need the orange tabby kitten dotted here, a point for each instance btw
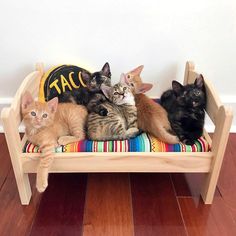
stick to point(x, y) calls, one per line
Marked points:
point(152, 117)
point(49, 124)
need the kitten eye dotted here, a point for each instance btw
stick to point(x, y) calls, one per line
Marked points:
point(45, 115)
point(128, 76)
point(124, 88)
point(33, 113)
point(132, 84)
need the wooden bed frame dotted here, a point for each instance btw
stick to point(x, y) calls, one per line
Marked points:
point(196, 162)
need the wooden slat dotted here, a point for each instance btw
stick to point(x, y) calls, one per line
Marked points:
point(155, 207)
point(213, 101)
point(14, 146)
point(124, 162)
point(108, 209)
point(189, 66)
point(31, 84)
point(219, 142)
point(61, 209)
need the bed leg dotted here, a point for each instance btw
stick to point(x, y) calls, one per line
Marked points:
point(219, 142)
point(208, 189)
point(24, 188)
point(15, 150)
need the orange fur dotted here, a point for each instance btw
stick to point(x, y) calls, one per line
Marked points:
point(63, 124)
point(152, 117)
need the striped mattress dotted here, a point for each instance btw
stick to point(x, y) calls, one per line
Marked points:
point(142, 143)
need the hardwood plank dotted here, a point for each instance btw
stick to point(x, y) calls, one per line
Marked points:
point(62, 206)
point(227, 180)
point(108, 208)
point(15, 218)
point(155, 207)
point(189, 184)
point(4, 160)
point(207, 220)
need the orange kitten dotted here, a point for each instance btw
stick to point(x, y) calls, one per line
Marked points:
point(152, 117)
point(49, 124)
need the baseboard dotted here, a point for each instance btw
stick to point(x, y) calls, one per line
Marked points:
point(229, 100)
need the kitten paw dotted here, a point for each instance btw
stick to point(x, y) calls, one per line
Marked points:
point(62, 141)
point(188, 142)
point(41, 185)
point(103, 112)
point(131, 132)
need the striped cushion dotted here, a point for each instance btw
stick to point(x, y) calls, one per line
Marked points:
point(142, 143)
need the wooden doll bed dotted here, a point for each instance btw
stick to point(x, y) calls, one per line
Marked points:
point(182, 162)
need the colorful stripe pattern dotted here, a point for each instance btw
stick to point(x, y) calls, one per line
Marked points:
point(142, 143)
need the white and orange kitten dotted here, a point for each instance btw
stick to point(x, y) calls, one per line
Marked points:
point(49, 124)
point(152, 117)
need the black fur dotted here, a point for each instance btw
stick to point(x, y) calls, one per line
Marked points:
point(91, 96)
point(185, 107)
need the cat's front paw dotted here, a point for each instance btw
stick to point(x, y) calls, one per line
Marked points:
point(188, 142)
point(103, 112)
point(131, 132)
point(41, 184)
point(62, 141)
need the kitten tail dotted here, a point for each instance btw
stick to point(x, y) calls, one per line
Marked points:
point(162, 134)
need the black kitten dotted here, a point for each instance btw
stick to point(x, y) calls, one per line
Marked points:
point(185, 107)
point(90, 96)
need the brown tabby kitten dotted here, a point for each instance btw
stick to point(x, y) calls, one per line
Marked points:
point(49, 124)
point(121, 120)
point(152, 117)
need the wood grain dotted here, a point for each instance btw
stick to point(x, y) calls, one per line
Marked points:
point(15, 218)
point(4, 160)
point(155, 207)
point(62, 206)
point(227, 179)
point(207, 220)
point(108, 208)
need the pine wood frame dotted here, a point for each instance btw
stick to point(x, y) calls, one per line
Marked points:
point(201, 162)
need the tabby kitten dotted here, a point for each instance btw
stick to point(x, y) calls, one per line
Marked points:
point(90, 96)
point(121, 120)
point(185, 106)
point(49, 124)
point(152, 117)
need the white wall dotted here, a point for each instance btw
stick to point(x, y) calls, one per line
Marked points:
point(162, 35)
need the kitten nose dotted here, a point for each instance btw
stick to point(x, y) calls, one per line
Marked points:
point(38, 119)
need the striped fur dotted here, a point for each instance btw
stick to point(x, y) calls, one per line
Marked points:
point(121, 120)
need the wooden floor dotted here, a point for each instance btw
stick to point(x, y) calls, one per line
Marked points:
point(120, 204)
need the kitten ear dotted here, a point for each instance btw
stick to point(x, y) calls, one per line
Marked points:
point(136, 71)
point(52, 104)
point(106, 90)
point(143, 88)
point(85, 75)
point(176, 86)
point(106, 70)
point(123, 79)
point(199, 81)
point(26, 100)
